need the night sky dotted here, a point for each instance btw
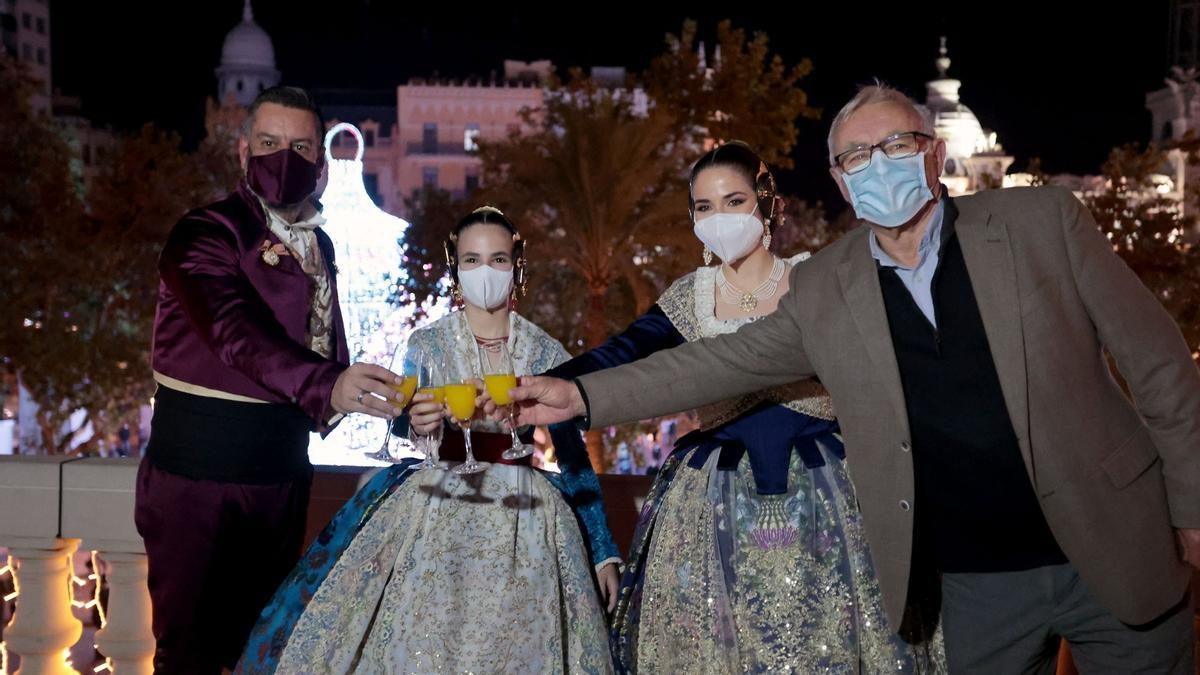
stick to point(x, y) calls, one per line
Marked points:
point(1065, 84)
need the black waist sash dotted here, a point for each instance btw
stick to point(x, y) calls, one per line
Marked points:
point(229, 441)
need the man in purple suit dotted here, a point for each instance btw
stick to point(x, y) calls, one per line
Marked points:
point(250, 357)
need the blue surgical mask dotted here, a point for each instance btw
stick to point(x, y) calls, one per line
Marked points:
point(889, 192)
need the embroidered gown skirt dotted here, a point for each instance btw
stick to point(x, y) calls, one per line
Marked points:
point(722, 579)
point(428, 571)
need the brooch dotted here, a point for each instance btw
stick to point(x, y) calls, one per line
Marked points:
point(271, 253)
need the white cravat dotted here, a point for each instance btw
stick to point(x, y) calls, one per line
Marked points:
point(300, 238)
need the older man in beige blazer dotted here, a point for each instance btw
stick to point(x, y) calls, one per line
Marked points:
point(963, 342)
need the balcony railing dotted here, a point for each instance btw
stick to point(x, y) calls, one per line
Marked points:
point(55, 510)
point(53, 507)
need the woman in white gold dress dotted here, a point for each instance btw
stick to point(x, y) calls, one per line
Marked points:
point(427, 570)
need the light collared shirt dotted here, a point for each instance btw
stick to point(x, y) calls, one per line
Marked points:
point(919, 279)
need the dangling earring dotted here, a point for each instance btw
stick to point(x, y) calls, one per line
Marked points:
point(449, 247)
point(776, 202)
point(520, 282)
point(707, 256)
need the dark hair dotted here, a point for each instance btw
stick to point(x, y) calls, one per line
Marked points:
point(288, 97)
point(738, 156)
point(488, 215)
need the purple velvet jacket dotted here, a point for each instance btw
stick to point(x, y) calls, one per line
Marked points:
point(229, 321)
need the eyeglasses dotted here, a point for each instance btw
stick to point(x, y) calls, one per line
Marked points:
point(896, 146)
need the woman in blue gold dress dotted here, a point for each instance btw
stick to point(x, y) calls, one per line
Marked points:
point(749, 554)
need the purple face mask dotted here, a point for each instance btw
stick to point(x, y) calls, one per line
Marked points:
point(282, 178)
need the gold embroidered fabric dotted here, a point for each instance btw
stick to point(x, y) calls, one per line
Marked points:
point(480, 574)
point(718, 599)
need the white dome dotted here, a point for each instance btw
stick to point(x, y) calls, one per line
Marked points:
point(954, 122)
point(248, 44)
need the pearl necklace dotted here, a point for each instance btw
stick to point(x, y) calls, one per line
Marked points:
point(748, 300)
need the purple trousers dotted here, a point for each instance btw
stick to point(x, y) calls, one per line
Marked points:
point(216, 552)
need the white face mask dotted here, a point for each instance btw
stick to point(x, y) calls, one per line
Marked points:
point(732, 236)
point(486, 287)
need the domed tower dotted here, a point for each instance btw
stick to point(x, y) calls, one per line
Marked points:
point(247, 62)
point(974, 160)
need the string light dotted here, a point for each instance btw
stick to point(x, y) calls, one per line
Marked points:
point(8, 569)
point(4, 647)
point(99, 582)
point(94, 602)
point(78, 581)
point(4, 571)
point(369, 256)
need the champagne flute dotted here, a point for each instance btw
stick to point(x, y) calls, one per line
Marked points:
point(461, 395)
point(500, 376)
point(429, 381)
point(404, 392)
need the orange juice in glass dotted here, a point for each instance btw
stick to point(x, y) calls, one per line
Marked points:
point(461, 399)
point(438, 393)
point(406, 387)
point(499, 386)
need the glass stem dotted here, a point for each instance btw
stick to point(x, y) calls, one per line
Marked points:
point(387, 434)
point(512, 428)
point(467, 442)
